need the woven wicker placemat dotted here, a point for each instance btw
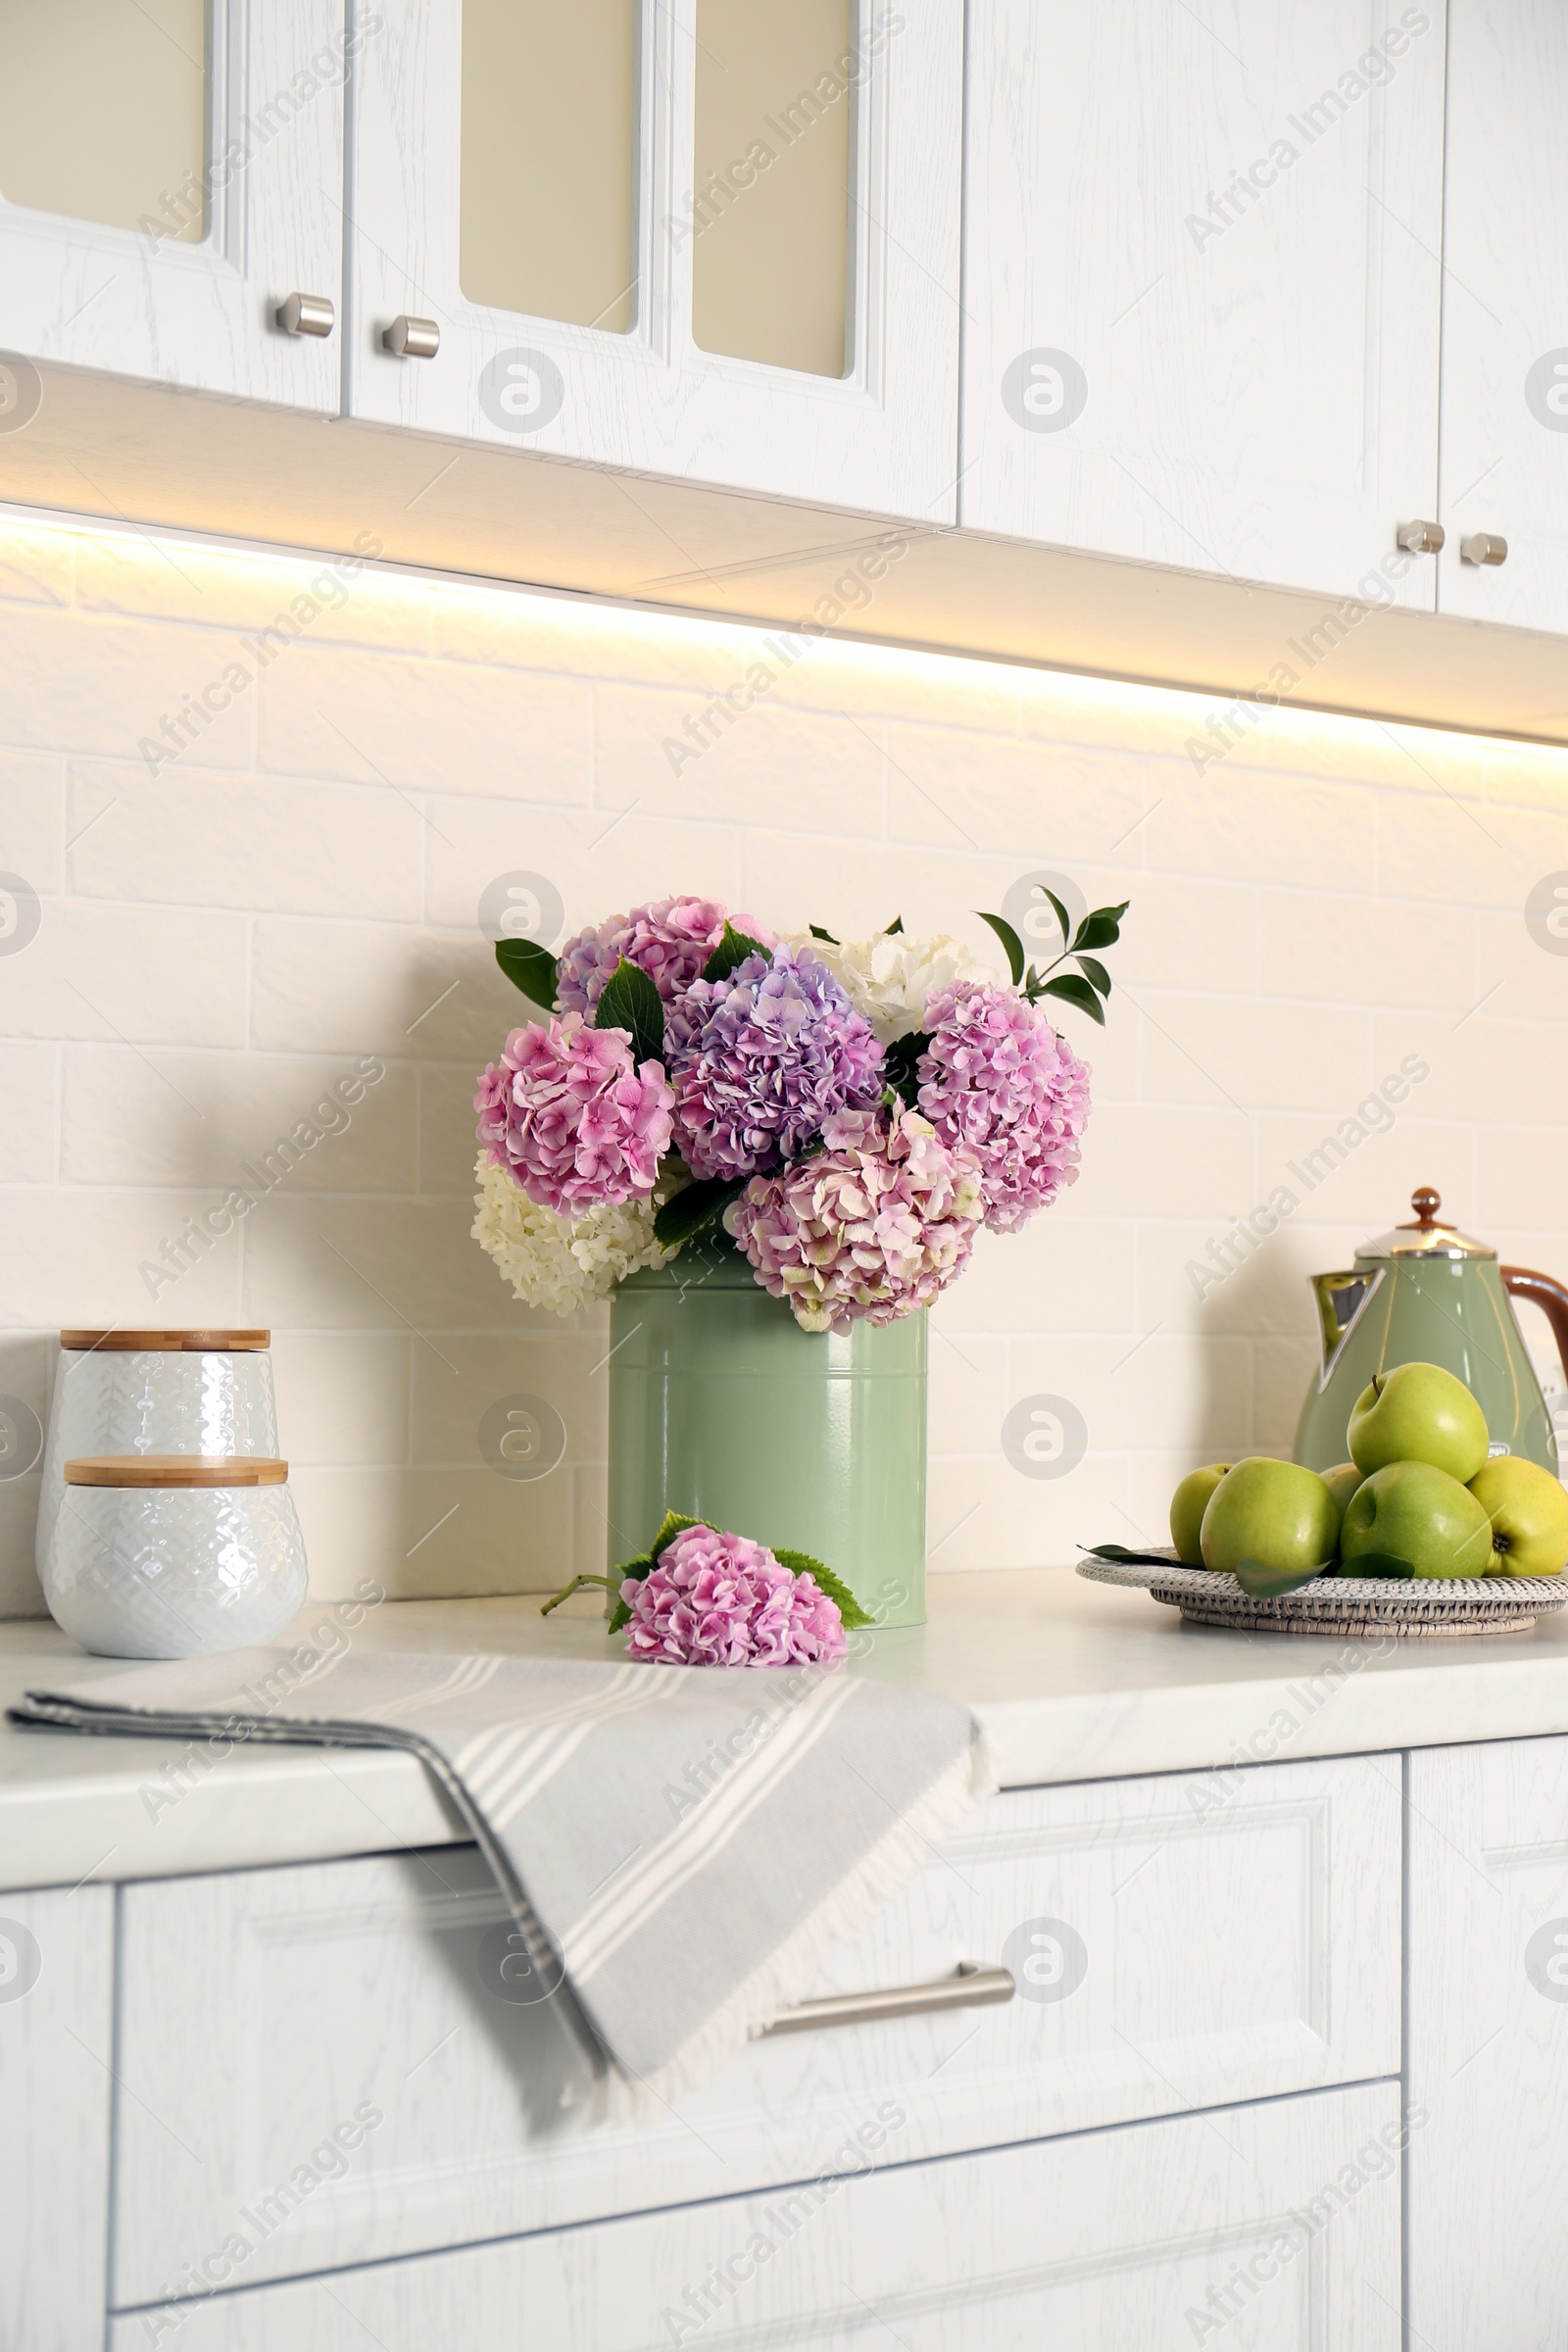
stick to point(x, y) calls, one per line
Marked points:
point(1364, 1607)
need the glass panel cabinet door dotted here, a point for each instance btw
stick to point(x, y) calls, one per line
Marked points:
point(170, 176)
point(711, 238)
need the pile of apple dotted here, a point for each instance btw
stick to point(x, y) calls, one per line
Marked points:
point(1418, 1490)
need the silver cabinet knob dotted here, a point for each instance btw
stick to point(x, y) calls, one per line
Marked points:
point(1483, 547)
point(413, 338)
point(306, 315)
point(1421, 538)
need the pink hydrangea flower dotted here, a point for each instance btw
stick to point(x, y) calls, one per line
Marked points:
point(872, 1227)
point(577, 1122)
point(999, 1079)
point(669, 940)
point(714, 1600)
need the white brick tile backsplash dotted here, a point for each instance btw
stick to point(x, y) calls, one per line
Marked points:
point(140, 974)
point(298, 890)
point(141, 673)
point(418, 726)
point(816, 774)
point(217, 1120)
point(32, 816)
point(201, 838)
point(29, 1125)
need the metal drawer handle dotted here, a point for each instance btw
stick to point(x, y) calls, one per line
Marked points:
point(972, 1988)
point(306, 315)
point(1483, 547)
point(413, 338)
point(1421, 538)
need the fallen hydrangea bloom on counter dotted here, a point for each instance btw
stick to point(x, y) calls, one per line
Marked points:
point(701, 1596)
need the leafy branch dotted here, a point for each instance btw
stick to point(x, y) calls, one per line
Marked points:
point(1085, 987)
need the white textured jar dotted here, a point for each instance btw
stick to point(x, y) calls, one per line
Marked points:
point(154, 1392)
point(172, 1555)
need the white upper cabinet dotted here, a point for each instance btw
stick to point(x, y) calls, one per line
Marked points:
point(1505, 316)
point(171, 173)
point(1202, 283)
point(711, 238)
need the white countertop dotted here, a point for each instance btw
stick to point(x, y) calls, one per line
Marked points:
point(1073, 1681)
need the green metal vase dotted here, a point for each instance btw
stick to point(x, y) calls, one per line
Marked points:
point(722, 1408)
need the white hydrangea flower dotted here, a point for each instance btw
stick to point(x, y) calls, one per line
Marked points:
point(889, 979)
point(563, 1264)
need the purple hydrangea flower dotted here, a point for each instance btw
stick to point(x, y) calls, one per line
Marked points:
point(998, 1078)
point(669, 940)
point(715, 1599)
point(870, 1228)
point(571, 1116)
point(760, 1059)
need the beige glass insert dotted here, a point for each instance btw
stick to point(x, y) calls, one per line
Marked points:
point(774, 169)
point(549, 153)
point(104, 112)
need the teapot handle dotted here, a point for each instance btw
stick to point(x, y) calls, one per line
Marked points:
point(1542, 1292)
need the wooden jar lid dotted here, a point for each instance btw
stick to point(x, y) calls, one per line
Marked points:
point(180, 1343)
point(176, 1470)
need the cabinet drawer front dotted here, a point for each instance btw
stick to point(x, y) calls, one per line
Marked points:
point(56, 2047)
point(1487, 2056)
point(1271, 2229)
point(1178, 1942)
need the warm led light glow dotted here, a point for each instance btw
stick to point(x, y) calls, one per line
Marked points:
point(696, 651)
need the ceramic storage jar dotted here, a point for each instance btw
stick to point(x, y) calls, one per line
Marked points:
point(172, 1555)
point(155, 1391)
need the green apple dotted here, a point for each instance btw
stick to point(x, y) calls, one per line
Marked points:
point(1274, 1512)
point(1418, 1414)
point(1416, 1512)
point(1187, 1507)
point(1342, 1482)
point(1529, 1513)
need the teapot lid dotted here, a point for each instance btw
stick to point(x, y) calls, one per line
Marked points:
point(1430, 1236)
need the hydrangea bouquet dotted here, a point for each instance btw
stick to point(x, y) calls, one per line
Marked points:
point(852, 1112)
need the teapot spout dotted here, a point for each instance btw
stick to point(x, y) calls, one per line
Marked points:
point(1339, 1299)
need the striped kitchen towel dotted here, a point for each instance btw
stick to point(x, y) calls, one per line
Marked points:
point(678, 1845)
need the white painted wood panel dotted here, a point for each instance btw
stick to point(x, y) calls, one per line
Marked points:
point(1505, 312)
point(132, 303)
point(56, 2021)
point(1271, 2229)
point(1179, 1942)
point(1488, 2051)
point(1258, 359)
point(883, 439)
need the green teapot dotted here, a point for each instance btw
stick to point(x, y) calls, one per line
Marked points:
point(1423, 1294)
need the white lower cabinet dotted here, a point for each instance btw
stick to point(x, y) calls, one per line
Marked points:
point(320, 2066)
point(56, 2061)
point(1265, 2228)
point(1488, 2047)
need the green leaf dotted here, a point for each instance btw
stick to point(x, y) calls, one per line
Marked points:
point(897, 924)
point(732, 950)
point(1058, 910)
point(899, 1062)
point(1377, 1564)
point(1094, 972)
point(1103, 928)
point(1073, 991)
point(1009, 940)
point(530, 967)
point(1260, 1582)
point(818, 932)
point(1129, 1560)
point(647, 1561)
point(801, 1563)
point(698, 1205)
point(631, 1002)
